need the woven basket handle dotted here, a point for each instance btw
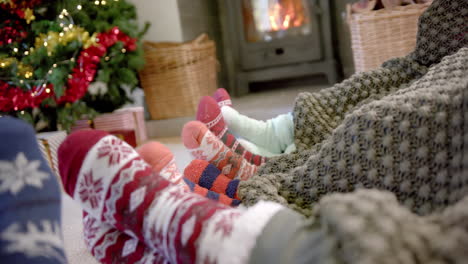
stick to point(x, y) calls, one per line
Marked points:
point(200, 39)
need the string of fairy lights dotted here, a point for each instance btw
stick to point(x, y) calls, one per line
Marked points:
point(70, 31)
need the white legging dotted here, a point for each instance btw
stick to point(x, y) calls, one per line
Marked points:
point(266, 138)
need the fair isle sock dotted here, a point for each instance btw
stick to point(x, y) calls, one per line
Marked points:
point(109, 245)
point(204, 145)
point(210, 114)
point(111, 182)
point(222, 97)
point(162, 161)
point(274, 135)
point(30, 219)
point(208, 176)
point(215, 196)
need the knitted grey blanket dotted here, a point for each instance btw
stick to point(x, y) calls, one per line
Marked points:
point(400, 128)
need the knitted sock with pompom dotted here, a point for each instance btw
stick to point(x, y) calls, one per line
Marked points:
point(111, 182)
point(210, 114)
point(204, 145)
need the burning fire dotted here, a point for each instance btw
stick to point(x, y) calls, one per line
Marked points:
point(285, 14)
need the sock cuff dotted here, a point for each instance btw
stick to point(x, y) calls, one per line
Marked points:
point(71, 155)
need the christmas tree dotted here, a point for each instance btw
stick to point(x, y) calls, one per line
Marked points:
point(61, 61)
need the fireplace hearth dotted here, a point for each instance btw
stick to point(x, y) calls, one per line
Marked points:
point(276, 39)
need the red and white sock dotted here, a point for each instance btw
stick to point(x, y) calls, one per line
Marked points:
point(112, 183)
point(222, 97)
point(162, 161)
point(103, 241)
point(204, 145)
point(210, 114)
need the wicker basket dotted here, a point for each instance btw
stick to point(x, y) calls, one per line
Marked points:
point(176, 75)
point(377, 36)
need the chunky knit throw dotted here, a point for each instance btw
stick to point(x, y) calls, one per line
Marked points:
point(400, 128)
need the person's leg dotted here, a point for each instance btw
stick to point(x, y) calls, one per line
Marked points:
point(208, 176)
point(162, 161)
point(111, 182)
point(210, 114)
point(274, 135)
point(30, 222)
point(204, 145)
point(109, 245)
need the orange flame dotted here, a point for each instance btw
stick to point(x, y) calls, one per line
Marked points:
point(286, 14)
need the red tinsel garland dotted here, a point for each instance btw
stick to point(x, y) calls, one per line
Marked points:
point(16, 99)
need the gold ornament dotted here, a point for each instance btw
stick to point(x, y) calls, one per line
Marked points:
point(29, 15)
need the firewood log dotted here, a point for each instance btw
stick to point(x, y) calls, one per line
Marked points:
point(363, 6)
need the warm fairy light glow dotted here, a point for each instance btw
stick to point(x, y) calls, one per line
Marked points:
point(47, 90)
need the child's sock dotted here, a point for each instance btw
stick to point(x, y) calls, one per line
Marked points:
point(30, 218)
point(215, 196)
point(210, 114)
point(222, 97)
point(208, 176)
point(274, 135)
point(109, 245)
point(114, 184)
point(161, 159)
point(204, 145)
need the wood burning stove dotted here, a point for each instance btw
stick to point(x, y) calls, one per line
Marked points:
point(276, 39)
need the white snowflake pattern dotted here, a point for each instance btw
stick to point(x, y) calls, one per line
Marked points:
point(43, 240)
point(15, 175)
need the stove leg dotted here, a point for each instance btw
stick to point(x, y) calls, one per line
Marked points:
point(332, 74)
point(242, 85)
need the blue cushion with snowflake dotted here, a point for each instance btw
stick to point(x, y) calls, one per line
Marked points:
point(30, 224)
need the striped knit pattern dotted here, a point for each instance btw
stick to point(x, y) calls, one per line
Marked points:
point(210, 114)
point(204, 145)
point(208, 176)
point(212, 195)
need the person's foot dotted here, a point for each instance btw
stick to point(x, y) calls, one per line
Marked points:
point(114, 184)
point(204, 145)
point(222, 97)
point(212, 195)
point(210, 114)
point(162, 161)
point(208, 176)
